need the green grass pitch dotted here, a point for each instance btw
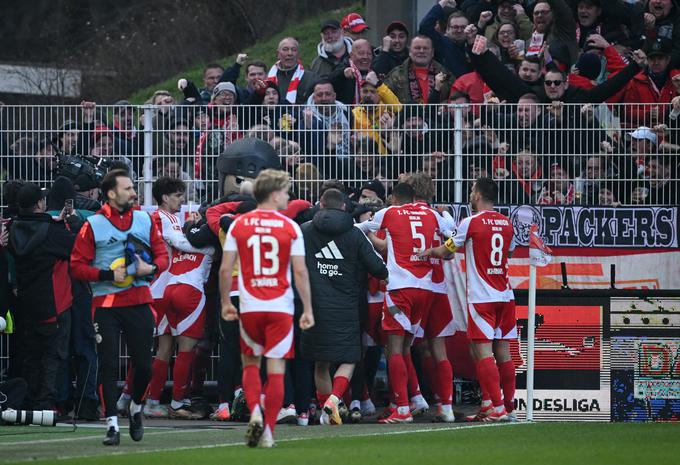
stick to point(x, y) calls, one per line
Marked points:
point(507, 444)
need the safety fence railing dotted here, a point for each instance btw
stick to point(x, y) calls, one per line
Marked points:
point(589, 154)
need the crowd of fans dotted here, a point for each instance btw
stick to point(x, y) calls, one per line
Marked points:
point(527, 93)
point(538, 88)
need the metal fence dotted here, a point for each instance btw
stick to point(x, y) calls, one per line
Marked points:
point(593, 154)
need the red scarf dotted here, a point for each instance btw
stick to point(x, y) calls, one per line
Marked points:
point(527, 184)
point(291, 93)
point(357, 81)
point(416, 94)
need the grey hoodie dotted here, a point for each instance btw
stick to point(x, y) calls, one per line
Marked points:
point(323, 64)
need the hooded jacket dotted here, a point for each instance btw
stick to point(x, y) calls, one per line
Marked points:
point(338, 256)
point(41, 248)
point(323, 65)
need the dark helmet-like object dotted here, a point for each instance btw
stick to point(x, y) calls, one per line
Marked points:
point(247, 157)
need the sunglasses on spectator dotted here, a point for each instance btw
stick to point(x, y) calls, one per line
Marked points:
point(553, 83)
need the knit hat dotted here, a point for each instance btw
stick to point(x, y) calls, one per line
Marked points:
point(589, 65)
point(375, 186)
point(85, 182)
point(224, 87)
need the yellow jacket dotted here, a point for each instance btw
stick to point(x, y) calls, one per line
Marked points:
point(367, 121)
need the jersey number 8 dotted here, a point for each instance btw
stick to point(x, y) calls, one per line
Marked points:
point(496, 249)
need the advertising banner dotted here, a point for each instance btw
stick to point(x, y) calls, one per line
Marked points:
point(645, 359)
point(571, 369)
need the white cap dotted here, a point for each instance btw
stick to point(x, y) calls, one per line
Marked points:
point(643, 132)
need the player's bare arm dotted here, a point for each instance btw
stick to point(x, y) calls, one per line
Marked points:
point(229, 312)
point(378, 244)
point(302, 285)
point(445, 251)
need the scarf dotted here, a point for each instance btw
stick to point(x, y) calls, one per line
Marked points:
point(226, 126)
point(528, 185)
point(357, 81)
point(413, 83)
point(291, 93)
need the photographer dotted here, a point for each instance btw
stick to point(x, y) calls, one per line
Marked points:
point(120, 285)
point(41, 247)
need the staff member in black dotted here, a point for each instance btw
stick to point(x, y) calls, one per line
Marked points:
point(338, 256)
point(121, 300)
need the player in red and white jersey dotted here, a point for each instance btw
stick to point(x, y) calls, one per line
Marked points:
point(411, 293)
point(440, 325)
point(266, 243)
point(488, 240)
point(179, 302)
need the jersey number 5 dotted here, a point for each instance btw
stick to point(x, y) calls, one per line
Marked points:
point(271, 256)
point(496, 249)
point(416, 235)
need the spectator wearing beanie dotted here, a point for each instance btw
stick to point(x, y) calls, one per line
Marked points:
point(599, 61)
point(87, 193)
point(651, 86)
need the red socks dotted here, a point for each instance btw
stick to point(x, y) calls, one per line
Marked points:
point(412, 383)
point(322, 398)
point(340, 386)
point(180, 375)
point(398, 379)
point(273, 399)
point(445, 382)
point(507, 374)
point(252, 386)
point(489, 379)
point(159, 375)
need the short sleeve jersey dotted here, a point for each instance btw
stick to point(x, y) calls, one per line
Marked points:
point(189, 266)
point(411, 229)
point(488, 238)
point(265, 240)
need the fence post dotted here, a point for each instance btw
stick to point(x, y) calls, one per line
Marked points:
point(148, 153)
point(458, 153)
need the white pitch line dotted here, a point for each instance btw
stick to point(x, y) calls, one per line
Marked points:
point(236, 444)
point(87, 438)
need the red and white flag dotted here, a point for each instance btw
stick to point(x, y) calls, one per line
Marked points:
point(539, 253)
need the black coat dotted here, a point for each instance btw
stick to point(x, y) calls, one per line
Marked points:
point(338, 257)
point(41, 248)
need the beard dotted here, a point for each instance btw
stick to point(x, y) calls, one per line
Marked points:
point(333, 47)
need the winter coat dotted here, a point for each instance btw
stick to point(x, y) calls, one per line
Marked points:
point(384, 62)
point(450, 54)
point(338, 256)
point(398, 82)
point(323, 65)
point(508, 86)
point(41, 248)
point(641, 90)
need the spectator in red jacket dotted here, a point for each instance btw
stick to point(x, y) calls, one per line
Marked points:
point(651, 86)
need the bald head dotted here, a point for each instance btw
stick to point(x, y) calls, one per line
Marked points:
point(362, 54)
point(288, 52)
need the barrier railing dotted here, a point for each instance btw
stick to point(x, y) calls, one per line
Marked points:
point(606, 154)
